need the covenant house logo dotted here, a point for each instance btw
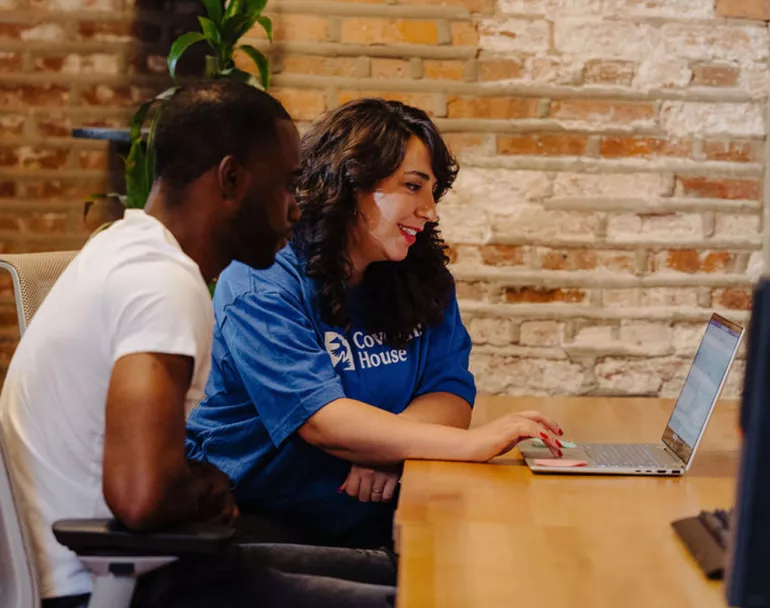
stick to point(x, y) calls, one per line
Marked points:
point(341, 354)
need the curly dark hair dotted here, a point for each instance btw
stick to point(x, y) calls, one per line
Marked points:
point(350, 150)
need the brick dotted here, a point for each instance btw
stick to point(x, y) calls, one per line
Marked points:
point(727, 188)
point(541, 333)
point(301, 104)
point(744, 9)
point(501, 36)
point(715, 74)
point(8, 189)
point(542, 295)
point(549, 8)
point(46, 223)
point(464, 33)
point(8, 157)
point(390, 68)
point(113, 31)
point(672, 9)
point(11, 124)
point(529, 376)
point(44, 32)
point(443, 70)
point(42, 158)
point(502, 255)
point(423, 101)
point(32, 95)
point(622, 376)
point(66, 188)
point(533, 221)
point(733, 298)
point(630, 226)
point(491, 330)
point(320, 66)
point(730, 151)
point(552, 70)
point(624, 147)
point(98, 63)
point(493, 70)
point(617, 261)
point(467, 143)
point(54, 126)
point(603, 71)
point(568, 259)
point(603, 112)
point(609, 185)
point(10, 62)
point(736, 225)
point(104, 95)
point(616, 39)
point(382, 31)
point(294, 28)
point(654, 337)
point(474, 6)
point(691, 261)
point(94, 159)
point(491, 107)
point(470, 290)
point(711, 41)
point(543, 145)
point(716, 119)
point(73, 5)
point(670, 72)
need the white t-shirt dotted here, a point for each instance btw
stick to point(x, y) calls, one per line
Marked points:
point(131, 289)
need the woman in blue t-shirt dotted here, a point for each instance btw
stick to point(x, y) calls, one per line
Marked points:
point(349, 355)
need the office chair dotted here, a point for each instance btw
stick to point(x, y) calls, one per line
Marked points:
point(115, 555)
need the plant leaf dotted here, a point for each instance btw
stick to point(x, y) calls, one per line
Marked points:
point(243, 76)
point(210, 30)
point(214, 10)
point(262, 63)
point(137, 188)
point(255, 7)
point(234, 28)
point(135, 128)
point(267, 25)
point(181, 44)
point(234, 7)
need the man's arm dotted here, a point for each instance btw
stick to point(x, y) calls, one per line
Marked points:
point(446, 409)
point(147, 481)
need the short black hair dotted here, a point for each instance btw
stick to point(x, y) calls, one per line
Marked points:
point(204, 122)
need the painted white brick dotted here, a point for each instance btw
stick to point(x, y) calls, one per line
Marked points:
point(635, 376)
point(754, 78)
point(502, 36)
point(552, 70)
point(75, 5)
point(729, 42)
point(755, 267)
point(727, 225)
point(541, 333)
point(520, 376)
point(550, 8)
point(674, 9)
point(532, 220)
point(491, 330)
point(681, 119)
point(662, 73)
point(686, 338)
point(642, 185)
point(653, 337)
point(617, 40)
point(463, 224)
point(620, 298)
point(596, 336)
point(668, 296)
point(94, 64)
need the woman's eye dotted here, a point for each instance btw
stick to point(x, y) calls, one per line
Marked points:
point(414, 187)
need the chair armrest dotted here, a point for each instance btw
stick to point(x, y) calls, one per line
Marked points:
point(108, 536)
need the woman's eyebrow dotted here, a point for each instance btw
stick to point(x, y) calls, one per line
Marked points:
point(424, 176)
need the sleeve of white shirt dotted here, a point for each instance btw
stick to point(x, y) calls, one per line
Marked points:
point(158, 307)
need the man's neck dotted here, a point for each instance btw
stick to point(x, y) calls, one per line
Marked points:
point(190, 232)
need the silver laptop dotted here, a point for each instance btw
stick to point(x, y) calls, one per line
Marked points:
point(686, 426)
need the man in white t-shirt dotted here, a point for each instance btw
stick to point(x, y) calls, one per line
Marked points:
point(93, 406)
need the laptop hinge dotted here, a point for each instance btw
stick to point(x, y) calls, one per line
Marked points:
point(676, 456)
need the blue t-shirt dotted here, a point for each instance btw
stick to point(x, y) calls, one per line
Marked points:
point(275, 364)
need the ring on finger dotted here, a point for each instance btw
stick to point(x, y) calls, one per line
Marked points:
point(376, 491)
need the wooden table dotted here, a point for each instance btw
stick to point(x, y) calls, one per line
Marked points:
point(492, 535)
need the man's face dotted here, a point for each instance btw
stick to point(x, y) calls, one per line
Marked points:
point(268, 210)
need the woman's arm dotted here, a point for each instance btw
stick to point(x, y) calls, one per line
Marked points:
point(445, 409)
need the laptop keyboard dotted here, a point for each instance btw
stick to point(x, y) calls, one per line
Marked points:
point(624, 455)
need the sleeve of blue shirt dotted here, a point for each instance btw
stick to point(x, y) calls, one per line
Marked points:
point(449, 349)
point(285, 370)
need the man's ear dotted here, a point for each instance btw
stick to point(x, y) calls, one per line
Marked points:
point(232, 179)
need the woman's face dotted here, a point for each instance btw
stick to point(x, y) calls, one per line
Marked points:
point(391, 216)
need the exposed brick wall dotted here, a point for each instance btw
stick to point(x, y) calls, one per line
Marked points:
point(613, 155)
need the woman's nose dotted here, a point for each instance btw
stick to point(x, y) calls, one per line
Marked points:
point(427, 209)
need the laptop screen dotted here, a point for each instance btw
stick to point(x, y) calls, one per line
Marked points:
point(702, 386)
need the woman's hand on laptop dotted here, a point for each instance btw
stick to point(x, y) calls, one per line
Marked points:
point(502, 435)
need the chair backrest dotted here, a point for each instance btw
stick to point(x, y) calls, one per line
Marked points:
point(33, 275)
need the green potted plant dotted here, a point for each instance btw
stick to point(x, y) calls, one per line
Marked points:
point(225, 23)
